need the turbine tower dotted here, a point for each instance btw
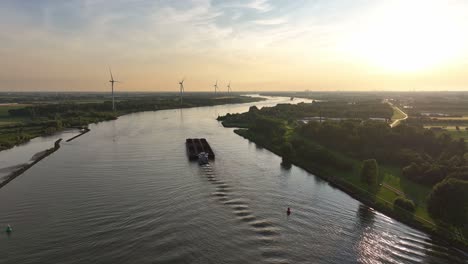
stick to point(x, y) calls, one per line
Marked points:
point(181, 83)
point(216, 86)
point(229, 87)
point(112, 81)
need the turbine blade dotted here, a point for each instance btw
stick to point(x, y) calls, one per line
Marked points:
point(110, 71)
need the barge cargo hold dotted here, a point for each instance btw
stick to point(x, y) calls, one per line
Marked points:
point(195, 146)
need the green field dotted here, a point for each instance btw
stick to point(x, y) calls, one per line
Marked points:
point(452, 131)
point(6, 119)
point(5, 108)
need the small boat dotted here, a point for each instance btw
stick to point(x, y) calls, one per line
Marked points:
point(203, 158)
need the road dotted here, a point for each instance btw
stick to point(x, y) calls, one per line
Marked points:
point(396, 122)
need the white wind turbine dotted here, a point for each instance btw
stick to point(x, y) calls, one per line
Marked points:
point(216, 86)
point(229, 87)
point(112, 81)
point(181, 84)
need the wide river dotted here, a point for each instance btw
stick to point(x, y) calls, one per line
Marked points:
point(126, 193)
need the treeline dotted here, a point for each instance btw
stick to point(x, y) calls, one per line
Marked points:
point(271, 131)
point(75, 109)
point(425, 157)
point(333, 109)
point(362, 110)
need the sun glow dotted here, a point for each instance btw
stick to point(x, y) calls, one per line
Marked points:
point(408, 36)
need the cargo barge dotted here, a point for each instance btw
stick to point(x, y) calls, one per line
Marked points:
point(195, 146)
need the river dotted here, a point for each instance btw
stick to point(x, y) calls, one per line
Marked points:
point(126, 193)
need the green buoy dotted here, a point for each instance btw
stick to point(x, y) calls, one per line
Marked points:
point(9, 229)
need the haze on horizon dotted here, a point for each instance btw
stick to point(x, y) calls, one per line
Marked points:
point(257, 44)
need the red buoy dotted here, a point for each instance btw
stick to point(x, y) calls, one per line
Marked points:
point(288, 211)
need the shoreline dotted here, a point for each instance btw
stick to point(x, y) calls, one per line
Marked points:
point(85, 130)
point(22, 169)
point(354, 193)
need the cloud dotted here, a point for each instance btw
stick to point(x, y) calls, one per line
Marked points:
point(260, 5)
point(246, 38)
point(271, 22)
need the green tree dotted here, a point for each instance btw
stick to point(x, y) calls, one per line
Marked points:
point(404, 203)
point(370, 171)
point(287, 150)
point(448, 201)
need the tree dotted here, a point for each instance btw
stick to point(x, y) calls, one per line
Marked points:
point(370, 171)
point(448, 201)
point(404, 203)
point(287, 150)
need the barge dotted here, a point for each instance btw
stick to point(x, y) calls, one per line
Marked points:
point(196, 146)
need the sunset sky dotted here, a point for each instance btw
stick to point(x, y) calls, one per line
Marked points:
point(318, 45)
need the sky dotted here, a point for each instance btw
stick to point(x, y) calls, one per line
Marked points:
point(317, 45)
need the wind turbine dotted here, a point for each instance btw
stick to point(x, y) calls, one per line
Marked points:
point(216, 86)
point(112, 81)
point(181, 83)
point(229, 87)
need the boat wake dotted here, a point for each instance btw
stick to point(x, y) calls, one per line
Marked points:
point(262, 230)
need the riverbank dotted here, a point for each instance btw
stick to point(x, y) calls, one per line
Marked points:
point(364, 196)
point(36, 158)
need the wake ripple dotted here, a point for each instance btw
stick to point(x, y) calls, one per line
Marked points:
point(264, 231)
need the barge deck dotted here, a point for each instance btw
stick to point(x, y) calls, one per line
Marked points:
point(196, 146)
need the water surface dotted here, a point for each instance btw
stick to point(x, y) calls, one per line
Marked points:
point(22, 154)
